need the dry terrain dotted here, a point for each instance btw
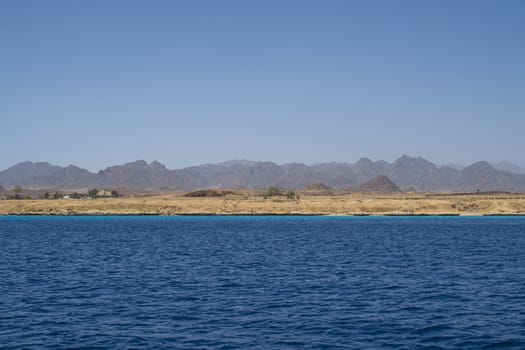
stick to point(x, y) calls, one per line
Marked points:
point(251, 204)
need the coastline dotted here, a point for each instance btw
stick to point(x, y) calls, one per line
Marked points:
point(235, 205)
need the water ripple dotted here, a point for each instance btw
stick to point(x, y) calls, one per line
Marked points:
point(237, 283)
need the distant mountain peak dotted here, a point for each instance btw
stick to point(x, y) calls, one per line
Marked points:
point(406, 158)
point(364, 160)
point(27, 164)
point(140, 162)
point(156, 164)
point(481, 165)
point(410, 162)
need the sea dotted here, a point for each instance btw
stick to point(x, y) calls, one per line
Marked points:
point(210, 282)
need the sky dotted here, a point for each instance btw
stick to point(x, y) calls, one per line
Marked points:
point(98, 83)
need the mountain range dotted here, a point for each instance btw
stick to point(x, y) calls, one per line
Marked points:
point(406, 172)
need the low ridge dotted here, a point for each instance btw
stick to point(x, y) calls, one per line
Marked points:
point(317, 188)
point(208, 193)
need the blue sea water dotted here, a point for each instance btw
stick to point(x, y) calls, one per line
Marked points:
point(262, 282)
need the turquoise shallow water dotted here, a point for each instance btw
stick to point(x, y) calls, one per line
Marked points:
point(262, 282)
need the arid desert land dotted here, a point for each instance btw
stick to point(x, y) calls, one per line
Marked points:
point(251, 204)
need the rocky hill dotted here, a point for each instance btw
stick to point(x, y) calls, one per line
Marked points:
point(25, 173)
point(379, 184)
point(405, 172)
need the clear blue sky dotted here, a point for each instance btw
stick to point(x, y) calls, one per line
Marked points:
point(96, 83)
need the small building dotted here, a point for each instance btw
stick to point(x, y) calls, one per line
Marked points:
point(104, 193)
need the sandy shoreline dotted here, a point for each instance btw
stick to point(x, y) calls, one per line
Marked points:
point(337, 205)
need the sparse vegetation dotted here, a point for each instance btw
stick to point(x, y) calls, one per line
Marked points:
point(272, 191)
point(18, 194)
point(93, 193)
point(58, 195)
point(290, 195)
point(17, 190)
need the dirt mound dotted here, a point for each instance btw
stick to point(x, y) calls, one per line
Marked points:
point(208, 193)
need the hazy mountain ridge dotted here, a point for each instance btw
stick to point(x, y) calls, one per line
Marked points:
point(504, 165)
point(510, 167)
point(405, 172)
